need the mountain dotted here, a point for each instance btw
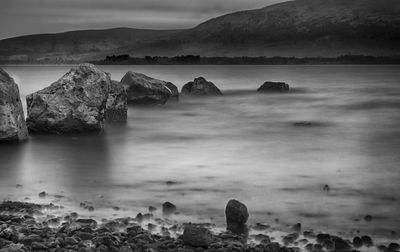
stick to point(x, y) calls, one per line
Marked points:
point(299, 28)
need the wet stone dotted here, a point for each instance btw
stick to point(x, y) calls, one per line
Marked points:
point(168, 208)
point(367, 241)
point(357, 242)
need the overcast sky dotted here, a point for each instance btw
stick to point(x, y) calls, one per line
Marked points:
point(21, 17)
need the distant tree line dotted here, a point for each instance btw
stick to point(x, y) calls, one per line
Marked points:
point(125, 59)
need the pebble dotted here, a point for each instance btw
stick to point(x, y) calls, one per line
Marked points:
point(367, 241)
point(168, 208)
point(42, 194)
point(357, 242)
point(296, 228)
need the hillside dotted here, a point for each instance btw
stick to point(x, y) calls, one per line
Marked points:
point(298, 28)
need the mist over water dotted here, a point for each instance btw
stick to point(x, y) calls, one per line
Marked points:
point(244, 145)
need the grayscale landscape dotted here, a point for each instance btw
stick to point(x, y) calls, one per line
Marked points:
point(270, 129)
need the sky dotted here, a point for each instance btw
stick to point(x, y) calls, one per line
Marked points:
point(23, 17)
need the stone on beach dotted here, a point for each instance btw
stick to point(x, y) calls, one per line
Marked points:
point(168, 208)
point(236, 214)
point(200, 87)
point(197, 236)
point(144, 90)
point(117, 103)
point(73, 104)
point(271, 87)
point(12, 120)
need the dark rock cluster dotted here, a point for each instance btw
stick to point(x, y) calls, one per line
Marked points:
point(21, 230)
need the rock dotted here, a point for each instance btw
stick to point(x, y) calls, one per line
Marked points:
point(117, 103)
point(168, 208)
point(87, 223)
point(84, 235)
point(367, 241)
point(199, 87)
point(368, 218)
point(323, 238)
point(12, 120)
point(394, 246)
point(73, 104)
point(28, 240)
point(290, 238)
point(139, 217)
point(271, 87)
point(296, 227)
point(357, 242)
point(38, 246)
point(142, 89)
point(42, 194)
point(261, 226)
point(236, 212)
point(70, 241)
point(174, 90)
point(260, 237)
point(197, 236)
point(340, 244)
point(309, 234)
point(152, 208)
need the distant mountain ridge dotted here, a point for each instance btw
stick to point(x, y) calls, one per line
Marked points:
point(300, 28)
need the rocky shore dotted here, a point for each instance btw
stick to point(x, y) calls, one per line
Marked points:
point(32, 227)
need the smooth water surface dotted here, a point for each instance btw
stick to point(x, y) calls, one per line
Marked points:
point(243, 145)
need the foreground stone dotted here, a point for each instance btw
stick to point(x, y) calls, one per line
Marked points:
point(270, 87)
point(12, 119)
point(200, 87)
point(73, 104)
point(236, 213)
point(117, 103)
point(197, 236)
point(144, 90)
point(168, 208)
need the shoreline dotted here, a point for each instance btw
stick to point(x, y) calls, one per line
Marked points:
point(28, 226)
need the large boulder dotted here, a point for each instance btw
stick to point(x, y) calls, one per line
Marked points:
point(116, 107)
point(73, 104)
point(197, 236)
point(12, 119)
point(273, 87)
point(199, 87)
point(145, 90)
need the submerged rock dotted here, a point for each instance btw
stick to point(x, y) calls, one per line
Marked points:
point(197, 236)
point(117, 103)
point(12, 119)
point(236, 215)
point(142, 89)
point(270, 86)
point(73, 104)
point(199, 87)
